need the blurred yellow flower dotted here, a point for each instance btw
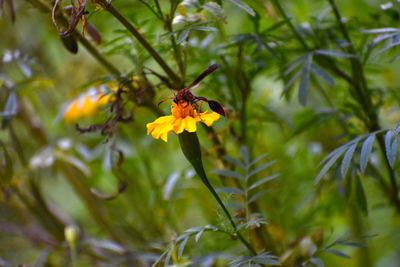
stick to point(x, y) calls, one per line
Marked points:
point(86, 104)
point(184, 117)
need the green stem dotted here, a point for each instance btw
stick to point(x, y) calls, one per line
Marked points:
point(191, 149)
point(290, 24)
point(110, 8)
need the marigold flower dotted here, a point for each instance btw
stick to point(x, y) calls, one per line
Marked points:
point(86, 104)
point(184, 117)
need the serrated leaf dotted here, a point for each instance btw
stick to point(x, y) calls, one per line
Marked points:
point(243, 6)
point(215, 9)
point(258, 159)
point(347, 159)
point(334, 54)
point(230, 190)
point(360, 196)
point(264, 180)
point(245, 154)
point(305, 80)
point(337, 253)
point(366, 151)
point(234, 161)
point(228, 173)
point(260, 168)
point(329, 163)
point(182, 37)
point(256, 196)
point(321, 73)
point(182, 246)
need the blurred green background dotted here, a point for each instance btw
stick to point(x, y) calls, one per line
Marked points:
point(49, 169)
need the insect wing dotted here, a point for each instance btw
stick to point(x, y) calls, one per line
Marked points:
point(209, 70)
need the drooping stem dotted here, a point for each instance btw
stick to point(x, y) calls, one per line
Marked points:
point(190, 146)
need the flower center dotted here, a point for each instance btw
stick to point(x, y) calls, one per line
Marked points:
point(183, 109)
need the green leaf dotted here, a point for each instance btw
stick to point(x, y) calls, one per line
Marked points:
point(316, 261)
point(169, 186)
point(347, 159)
point(11, 105)
point(366, 151)
point(338, 152)
point(321, 73)
point(182, 246)
point(264, 180)
point(184, 35)
point(243, 6)
point(258, 159)
point(351, 244)
point(168, 257)
point(230, 190)
point(381, 30)
point(228, 173)
point(305, 80)
point(260, 168)
point(390, 147)
point(216, 10)
point(360, 196)
point(257, 196)
point(266, 261)
point(245, 154)
point(291, 81)
point(161, 257)
point(337, 253)
point(234, 161)
point(334, 54)
point(205, 28)
point(197, 237)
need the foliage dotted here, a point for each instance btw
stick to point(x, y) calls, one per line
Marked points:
point(307, 150)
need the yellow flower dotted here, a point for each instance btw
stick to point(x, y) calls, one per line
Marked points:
point(86, 104)
point(89, 103)
point(184, 117)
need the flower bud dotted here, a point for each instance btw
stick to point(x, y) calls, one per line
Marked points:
point(71, 233)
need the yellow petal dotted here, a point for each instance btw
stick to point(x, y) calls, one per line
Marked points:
point(161, 127)
point(208, 119)
point(179, 126)
point(190, 124)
